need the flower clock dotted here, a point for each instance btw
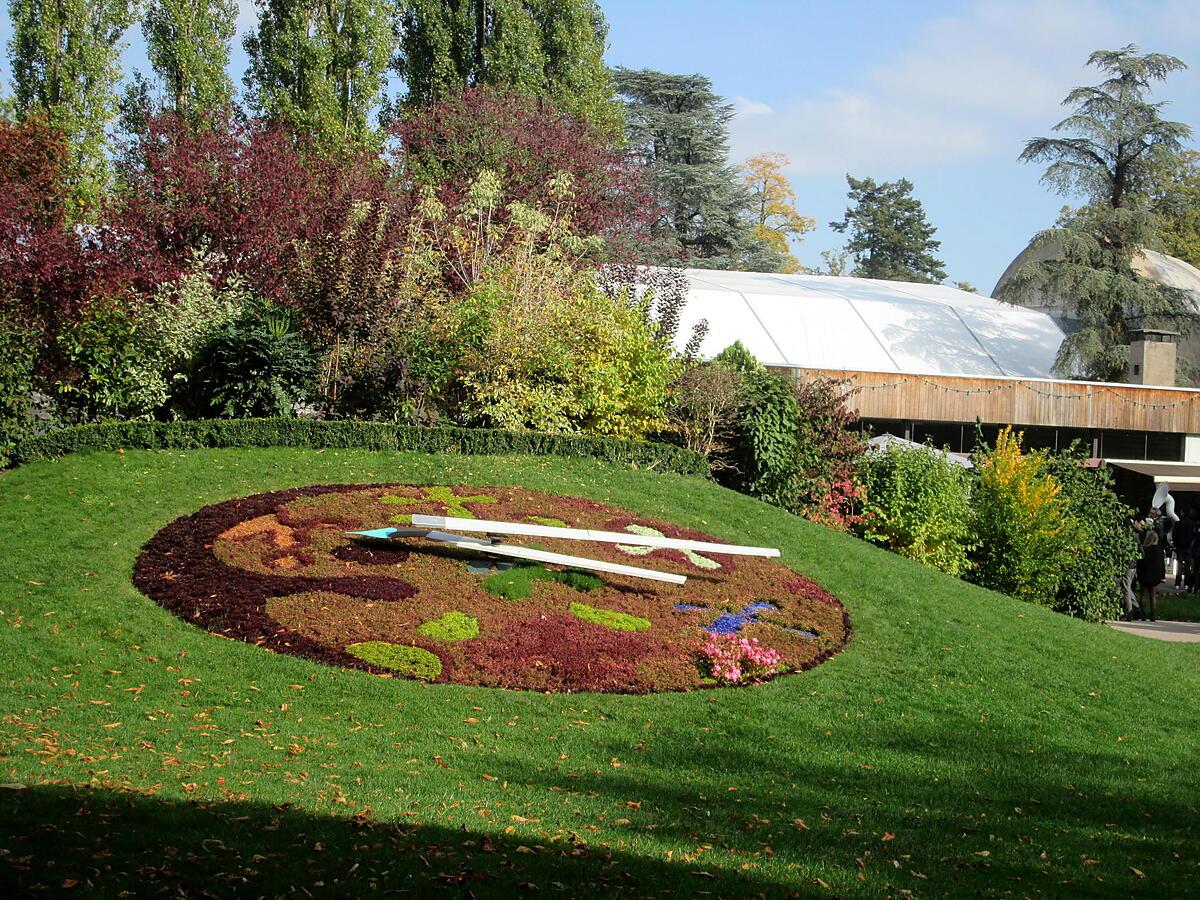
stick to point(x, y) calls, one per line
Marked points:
point(280, 571)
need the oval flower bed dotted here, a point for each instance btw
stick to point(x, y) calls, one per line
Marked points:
point(279, 571)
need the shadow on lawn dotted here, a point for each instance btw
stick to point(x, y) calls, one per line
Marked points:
point(60, 840)
point(984, 823)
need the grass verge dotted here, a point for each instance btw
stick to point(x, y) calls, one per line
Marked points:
point(963, 743)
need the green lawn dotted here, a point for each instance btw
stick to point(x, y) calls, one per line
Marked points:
point(1180, 607)
point(963, 744)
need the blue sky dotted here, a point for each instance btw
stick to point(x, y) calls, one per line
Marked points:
point(941, 93)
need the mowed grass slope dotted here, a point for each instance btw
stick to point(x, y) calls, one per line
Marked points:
point(963, 744)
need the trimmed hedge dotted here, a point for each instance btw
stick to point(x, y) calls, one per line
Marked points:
point(344, 434)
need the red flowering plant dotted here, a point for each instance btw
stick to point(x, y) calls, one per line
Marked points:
point(51, 263)
point(527, 144)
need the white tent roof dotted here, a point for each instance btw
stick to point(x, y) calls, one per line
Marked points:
point(864, 325)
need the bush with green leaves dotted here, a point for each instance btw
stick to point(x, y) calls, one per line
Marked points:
point(179, 321)
point(535, 342)
point(378, 436)
point(917, 504)
point(17, 357)
point(793, 444)
point(1089, 587)
point(128, 356)
point(96, 364)
point(255, 366)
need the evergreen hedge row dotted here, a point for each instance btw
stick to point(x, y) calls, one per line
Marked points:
point(345, 434)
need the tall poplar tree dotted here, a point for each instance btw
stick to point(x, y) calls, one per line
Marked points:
point(319, 65)
point(188, 42)
point(65, 57)
point(890, 237)
point(534, 48)
point(1115, 149)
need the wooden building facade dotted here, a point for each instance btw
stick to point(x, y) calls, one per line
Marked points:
point(1114, 420)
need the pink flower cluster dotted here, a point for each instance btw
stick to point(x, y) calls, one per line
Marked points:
point(733, 659)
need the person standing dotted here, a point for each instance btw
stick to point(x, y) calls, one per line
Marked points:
point(1181, 536)
point(1151, 571)
point(1129, 604)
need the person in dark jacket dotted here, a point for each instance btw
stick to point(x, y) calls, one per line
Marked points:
point(1182, 535)
point(1152, 570)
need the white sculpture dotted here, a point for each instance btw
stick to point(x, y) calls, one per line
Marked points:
point(427, 527)
point(1164, 501)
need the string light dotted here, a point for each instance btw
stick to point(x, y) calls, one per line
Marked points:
point(1087, 395)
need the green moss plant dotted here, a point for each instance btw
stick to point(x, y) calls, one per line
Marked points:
point(609, 618)
point(412, 662)
point(453, 626)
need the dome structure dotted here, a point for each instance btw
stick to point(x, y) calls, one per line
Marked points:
point(868, 325)
point(1157, 267)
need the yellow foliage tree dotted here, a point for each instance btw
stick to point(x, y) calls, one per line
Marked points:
point(773, 206)
point(1023, 522)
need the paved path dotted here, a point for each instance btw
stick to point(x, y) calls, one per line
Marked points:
point(1186, 632)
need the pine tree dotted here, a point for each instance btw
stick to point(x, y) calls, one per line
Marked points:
point(679, 127)
point(1116, 152)
point(1118, 145)
point(535, 48)
point(65, 59)
point(188, 43)
point(319, 65)
point(890, 237)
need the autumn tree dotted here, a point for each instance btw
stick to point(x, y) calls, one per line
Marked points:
point(890, 237)
point(318, 65)
point(65, 66)
point(188, 43)
point(549, 49)
point(1115, 150)
point(240, 191)
point(773, 206)
point(527, 143)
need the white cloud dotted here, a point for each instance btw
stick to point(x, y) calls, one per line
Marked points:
point(966, 87)
point(856, 131)
point(743, 106)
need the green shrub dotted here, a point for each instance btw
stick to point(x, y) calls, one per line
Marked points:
point(98, 365)
point(517, 582)
point(1027, 537)
point(181, 320)
point(257, 365)
point(531, 339)
point(290, 432)
point(452, 626)
point(918, 504)
point(793, 444)
point(609, 618)
point(17, 356)
point(1089, 587)
point(412, 662)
